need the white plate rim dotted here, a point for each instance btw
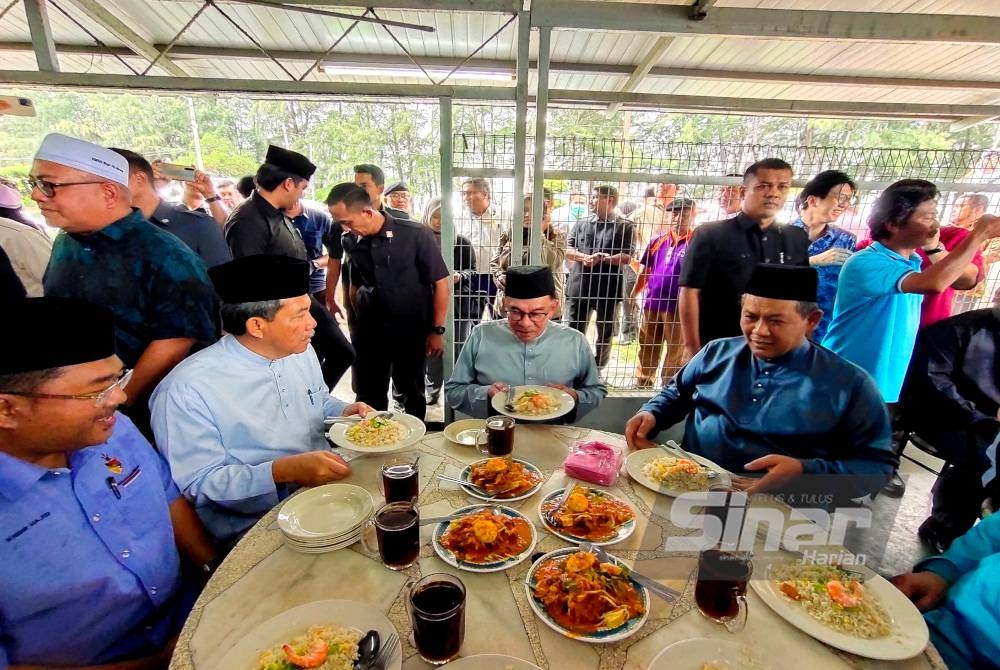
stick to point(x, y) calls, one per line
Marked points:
point(565, 407)
point(466, 662)
point(450, 434)
point(527, 494)
point(243, 654)
point(292, 505)
point(626, 630)
point(338, 436)
point(624, 530)
point(668, 654)
point(639, 458)
point(900, 645)
point(498, 566)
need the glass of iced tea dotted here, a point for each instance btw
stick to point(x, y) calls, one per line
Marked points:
point(399, 480)
point(397, 531)
point(721, 589)
point(437, 612)
point(499, 436)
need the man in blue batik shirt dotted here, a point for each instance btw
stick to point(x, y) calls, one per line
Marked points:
point(241, 422)
point(323, 249)
point(90, 520)
point(109, 254)
point(773, 401)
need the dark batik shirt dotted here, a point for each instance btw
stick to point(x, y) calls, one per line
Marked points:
point(155, 285)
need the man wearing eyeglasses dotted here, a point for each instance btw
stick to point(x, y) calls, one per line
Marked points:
point(90, 520)
point(111, 255)
point(525, 348)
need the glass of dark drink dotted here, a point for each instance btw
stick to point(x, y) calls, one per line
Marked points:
point(397, 530)
point(437, 612)
point(400, 480)
point(721, 589)
point(499, 432)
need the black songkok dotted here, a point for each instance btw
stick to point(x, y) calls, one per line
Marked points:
point(525, 282)
point(291, 161)
point(784, 282)
point(399, 186)
point(63, 331)
point(259, 278)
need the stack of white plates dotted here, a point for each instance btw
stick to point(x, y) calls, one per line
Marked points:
point(325, 518)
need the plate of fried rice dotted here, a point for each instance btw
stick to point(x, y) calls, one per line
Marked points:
point(321, 635)
point(378, 435)
point(871, 619)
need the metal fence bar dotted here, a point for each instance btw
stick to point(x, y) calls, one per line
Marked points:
point(541, 111)
point(447, 236)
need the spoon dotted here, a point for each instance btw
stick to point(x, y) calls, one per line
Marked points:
point(509, 405)
point(368, 647)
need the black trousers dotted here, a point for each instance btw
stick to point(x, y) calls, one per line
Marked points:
point(958, 492)
point(334, 351)
point(578, 311)
point(435, 366)
point(396, 352)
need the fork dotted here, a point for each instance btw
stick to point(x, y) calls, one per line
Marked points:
point(509, 405)
point(386, 653)
point(675, 449)
point(659, 589)
point(330, 420)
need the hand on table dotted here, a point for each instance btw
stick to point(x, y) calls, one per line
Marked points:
point(637, 428)
point(780, 471)
point(567, 389)
point(312, 468)
point(925, 589)
point(358, 408)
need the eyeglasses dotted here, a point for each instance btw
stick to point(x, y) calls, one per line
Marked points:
point(48, 188)
point(101, 397)
point(516, 315)
point(846, 200)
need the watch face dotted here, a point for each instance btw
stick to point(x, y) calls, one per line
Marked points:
point(439, 330)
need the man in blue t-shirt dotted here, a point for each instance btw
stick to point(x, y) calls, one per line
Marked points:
point(877, 310)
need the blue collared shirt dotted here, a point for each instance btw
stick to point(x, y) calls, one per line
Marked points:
point(318, 231)
point(809, 404)
point(221, 418)
point(87, 577)
point(156, 286)
point(829, 275)
point(196, 229)
point(493, 353)
point(874, 323)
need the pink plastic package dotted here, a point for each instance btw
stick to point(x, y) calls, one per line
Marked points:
point(594, 462)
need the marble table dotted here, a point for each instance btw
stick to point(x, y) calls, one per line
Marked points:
point(262, 577)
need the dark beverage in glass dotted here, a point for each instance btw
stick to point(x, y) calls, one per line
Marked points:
point(397, 528)
point(499, 436)
point(437, 612)
point(400, 481)
point(720, 591)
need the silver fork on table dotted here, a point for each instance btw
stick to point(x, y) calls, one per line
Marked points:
point(659, 589)
point(386, 653)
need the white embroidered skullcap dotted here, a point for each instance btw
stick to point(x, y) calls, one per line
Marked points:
point(83, 155)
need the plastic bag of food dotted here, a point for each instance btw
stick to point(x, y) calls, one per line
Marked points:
point(594, 462)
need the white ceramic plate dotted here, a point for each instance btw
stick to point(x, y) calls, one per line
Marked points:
point(622, 532)
point(908, 636)
point(491, 662)
point(637, 459)
point(464, 432)
point(492, 566)
point(325, 512)
point(599, 637)
point(693, 654)
point(566, 403)
point(413, 430)
point(322, 549)
point(288, 624)
point(476, 493)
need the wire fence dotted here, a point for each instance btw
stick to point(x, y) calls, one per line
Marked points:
point(639, 348)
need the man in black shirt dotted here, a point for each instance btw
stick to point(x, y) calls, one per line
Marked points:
point(259, 225)
point(196, 229)
point(399, 292)
point(723, 254)
point(599, 246)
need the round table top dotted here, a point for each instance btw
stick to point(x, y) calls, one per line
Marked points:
point(262, 577)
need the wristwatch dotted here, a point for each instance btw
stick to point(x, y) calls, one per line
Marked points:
point(936, 250)
point(214, 198)
point(438, 329)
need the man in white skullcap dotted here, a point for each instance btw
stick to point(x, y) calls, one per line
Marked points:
point(109, 254)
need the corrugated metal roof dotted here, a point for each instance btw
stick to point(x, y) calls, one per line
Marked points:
point(738, 67)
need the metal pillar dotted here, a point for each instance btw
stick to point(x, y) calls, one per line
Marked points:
point(447, 238)
point(541, 108)
point(37, 15)
point(520, 132)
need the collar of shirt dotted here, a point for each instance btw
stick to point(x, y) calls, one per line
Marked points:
point(746, 222)
point(386, 230)
point(264, 207)
point(794, 359)
point(119, 228)
point(235, 347)
point(17, 476)
point(913, 261)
